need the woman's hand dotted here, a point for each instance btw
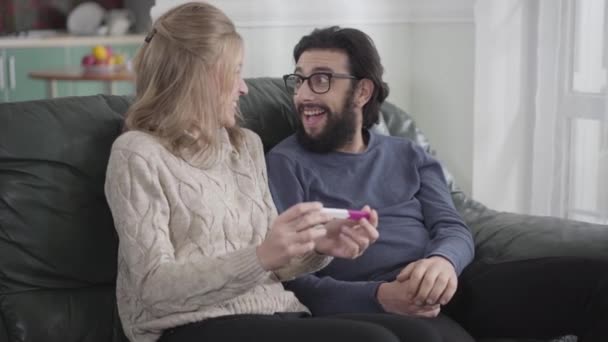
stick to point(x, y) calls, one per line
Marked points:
point(292, 234)
point(347, 238)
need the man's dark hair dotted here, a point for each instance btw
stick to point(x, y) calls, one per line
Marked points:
point(363, 58)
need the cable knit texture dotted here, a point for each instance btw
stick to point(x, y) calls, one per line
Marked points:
point(188, 234)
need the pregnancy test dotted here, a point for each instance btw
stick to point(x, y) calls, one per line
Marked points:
point(346, 214)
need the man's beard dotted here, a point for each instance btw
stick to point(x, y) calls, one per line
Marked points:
point(339, 130)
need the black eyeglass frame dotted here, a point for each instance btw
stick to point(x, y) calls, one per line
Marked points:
point(303, 79)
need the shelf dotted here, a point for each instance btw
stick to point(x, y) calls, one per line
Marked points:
point(69, 40)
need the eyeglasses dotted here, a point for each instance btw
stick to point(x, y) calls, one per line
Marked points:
point(319, 82)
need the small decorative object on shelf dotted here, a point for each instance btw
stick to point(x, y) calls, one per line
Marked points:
point(103, 60)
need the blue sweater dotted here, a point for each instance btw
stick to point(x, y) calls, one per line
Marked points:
point(417, 218)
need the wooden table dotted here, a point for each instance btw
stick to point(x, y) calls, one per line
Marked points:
point(78, 74)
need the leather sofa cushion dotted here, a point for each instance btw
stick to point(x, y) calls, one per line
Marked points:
point(57, 240)
point(58, 228)
point(85, 314)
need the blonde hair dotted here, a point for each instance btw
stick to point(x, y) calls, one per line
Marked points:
point(184, 80)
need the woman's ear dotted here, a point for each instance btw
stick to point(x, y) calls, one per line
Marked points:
point(365, 89)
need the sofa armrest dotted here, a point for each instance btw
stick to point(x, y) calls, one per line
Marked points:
point(502, 236)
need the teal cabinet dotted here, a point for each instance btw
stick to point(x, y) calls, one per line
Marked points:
point(24, 60)
point(16, 63)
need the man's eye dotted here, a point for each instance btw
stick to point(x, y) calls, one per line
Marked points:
point(321, 79)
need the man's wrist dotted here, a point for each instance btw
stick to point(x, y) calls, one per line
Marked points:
point(382, 294)
point(443, 257)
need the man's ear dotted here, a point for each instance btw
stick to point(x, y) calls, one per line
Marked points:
point(364, 91)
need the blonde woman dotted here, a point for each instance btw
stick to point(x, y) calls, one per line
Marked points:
point(202, 251)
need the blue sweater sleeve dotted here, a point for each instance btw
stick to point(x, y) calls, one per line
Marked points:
point(450, 236)
point(322, 295)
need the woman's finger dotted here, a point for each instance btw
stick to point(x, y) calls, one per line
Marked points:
point(298, 210)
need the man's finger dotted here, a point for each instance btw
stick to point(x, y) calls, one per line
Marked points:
point(449, 292)
point(428, 314)
point(440, 286)
point(425, 308)
point(427, 284)
point(406, 272)
point(416, 277)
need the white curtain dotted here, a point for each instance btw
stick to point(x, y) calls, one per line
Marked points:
point(540, 133)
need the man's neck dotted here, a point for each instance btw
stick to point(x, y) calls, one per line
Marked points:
point(357, 145)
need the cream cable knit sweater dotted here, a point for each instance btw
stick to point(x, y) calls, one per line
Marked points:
point(188, 236)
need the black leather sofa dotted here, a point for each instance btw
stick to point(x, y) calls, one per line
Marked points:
point(57, 241)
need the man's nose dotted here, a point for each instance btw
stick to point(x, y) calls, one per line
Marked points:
point(304, 92)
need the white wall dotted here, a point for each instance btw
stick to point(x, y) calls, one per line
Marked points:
point(441, 86)
point(426, 48)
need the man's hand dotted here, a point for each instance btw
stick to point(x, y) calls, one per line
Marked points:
point(430, 281)
point(394, 298)
point(347, 238)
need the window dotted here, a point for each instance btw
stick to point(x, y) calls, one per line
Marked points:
point(585, 109)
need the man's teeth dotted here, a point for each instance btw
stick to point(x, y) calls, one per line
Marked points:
point(313, 112)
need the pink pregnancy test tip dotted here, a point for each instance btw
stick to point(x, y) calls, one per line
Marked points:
point(357, 215)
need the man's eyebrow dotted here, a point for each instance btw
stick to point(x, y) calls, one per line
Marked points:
point(323, 69)
point(317, 69)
